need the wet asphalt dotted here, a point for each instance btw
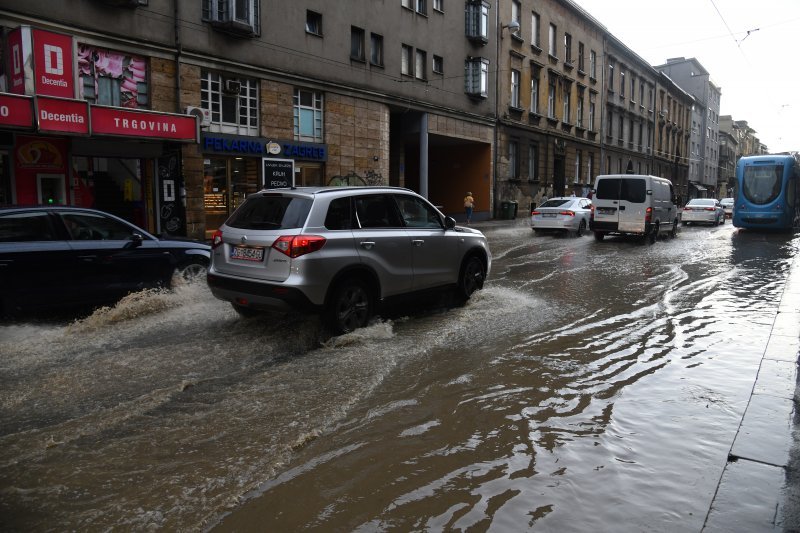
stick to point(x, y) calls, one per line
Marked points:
point(759, 489)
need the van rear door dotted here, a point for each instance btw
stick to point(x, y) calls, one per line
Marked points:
point(606, 202)
point(632, 204)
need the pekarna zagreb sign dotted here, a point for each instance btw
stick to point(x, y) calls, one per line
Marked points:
point(218, 143)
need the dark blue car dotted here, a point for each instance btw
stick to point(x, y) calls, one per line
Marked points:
point(67, 257)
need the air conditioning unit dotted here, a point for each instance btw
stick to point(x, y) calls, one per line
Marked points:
point(233, 86)
point(203, 115)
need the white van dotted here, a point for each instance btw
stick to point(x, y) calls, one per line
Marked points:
point(633, 204)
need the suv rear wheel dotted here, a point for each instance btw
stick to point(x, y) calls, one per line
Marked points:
point(350, 307)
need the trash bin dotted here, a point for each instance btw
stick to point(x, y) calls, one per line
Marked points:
point(505, 210)
point(512, 210)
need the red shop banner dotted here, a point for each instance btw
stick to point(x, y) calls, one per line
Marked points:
point(120, 122)
point(54, 64)
point(57, 115)
point(16, 111)
point(18, 56)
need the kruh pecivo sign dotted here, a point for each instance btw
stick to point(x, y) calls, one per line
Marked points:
point(278, 173)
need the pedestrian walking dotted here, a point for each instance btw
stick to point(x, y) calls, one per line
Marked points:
point(469, 204)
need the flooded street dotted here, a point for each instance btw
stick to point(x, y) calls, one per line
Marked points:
point(589, 386)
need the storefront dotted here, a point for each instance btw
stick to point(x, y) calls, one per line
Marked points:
point(59, 149)
point(233, 169)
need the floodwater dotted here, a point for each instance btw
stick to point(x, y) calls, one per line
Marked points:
point(589, 386)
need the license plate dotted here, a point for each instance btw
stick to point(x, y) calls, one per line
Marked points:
point(606, 210)
point(247, 253)
point(548, 215)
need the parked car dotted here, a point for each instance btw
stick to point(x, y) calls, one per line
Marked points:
point(632, 204)
point(568, 214)
point(341, 252)
point(703, 210)
point(727, 206)
point(58, 257)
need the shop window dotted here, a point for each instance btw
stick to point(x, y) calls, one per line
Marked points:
point(227, 182)
point(112, 78)
point(233, 103)
point(308, 109)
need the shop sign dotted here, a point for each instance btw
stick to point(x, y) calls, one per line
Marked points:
point(54, 64)
point(278, 173)
point(16, 111)
point(122, 122)
point(19, 60)
point(58, 115)
point(253, 146)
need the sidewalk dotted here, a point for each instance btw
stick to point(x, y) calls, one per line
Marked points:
point(760, 486)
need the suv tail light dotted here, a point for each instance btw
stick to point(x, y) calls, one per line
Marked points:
point(535, 213)
point(297, 245)
point(648, 214)
point(216, 239)
point(567, 213)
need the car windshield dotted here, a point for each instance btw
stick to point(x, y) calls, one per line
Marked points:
point(556, 202)
point(270, 211)
point(701, 202)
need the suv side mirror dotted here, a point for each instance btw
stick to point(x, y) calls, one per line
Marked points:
point(449, 223)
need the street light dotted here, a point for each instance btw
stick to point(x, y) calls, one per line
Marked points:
point(511, 26)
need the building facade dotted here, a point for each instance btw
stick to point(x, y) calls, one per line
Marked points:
point(690, 75)
point(514, 101)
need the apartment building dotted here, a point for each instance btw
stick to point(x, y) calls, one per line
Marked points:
point(704, 162)
point(303, 92)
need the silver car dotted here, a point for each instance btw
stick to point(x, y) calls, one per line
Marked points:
point(341, 252)
point(703, 210)
point(568, 214)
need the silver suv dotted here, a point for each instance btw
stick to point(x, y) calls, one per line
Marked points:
point(341, 252)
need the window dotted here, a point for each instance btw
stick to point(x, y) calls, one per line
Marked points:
point(633, 89)
point(422, 7)
point(533, 162)
point(552, 50)
point(27, 227)
point(356, 43)
point(592, 105)
point(516, 16)
point(641, 93)
point(376, 49)
point(611, 76)
point(438, 5)
point(313, 23)
point(579, 108)
point(477, 20)
point(641, 132)
point(622, 83)
point(593, 64)
point(551, 97)
point(621, 130)
point(514, 88)
point(630, 131)
point(237, 16)
point(578, 165)
point(407, 3)
point(590, 166)
point(610, 125)
point(581, 59)
point(112, 78)
point(438, 64)
point(513, 160)
point(566, 90)
point(406, 60)
point(308, 115)
point(535, 90)
point(476, 77)
point(421, 65)
point(536, 35)
point(567, 48)
point(233, 102)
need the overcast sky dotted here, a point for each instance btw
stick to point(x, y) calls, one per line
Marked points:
point(759, 72)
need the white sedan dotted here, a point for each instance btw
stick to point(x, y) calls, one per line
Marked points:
point(568, 214)
point(727, 206)
point(703, 210)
